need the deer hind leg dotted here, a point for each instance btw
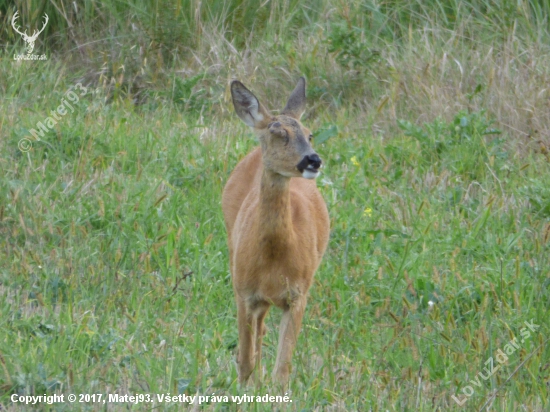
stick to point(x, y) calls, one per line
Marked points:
point(291, 323)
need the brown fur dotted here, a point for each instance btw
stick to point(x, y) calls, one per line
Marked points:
point(278, 228)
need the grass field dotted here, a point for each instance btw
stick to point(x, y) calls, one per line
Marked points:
point(433, 119)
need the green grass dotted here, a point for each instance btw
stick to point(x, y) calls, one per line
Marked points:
point(114, 270)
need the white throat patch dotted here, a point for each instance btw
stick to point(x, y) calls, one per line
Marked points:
point(310, 174)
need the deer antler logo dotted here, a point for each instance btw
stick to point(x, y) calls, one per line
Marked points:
point(29, 39)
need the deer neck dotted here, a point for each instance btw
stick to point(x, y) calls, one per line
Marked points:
point(275, 217)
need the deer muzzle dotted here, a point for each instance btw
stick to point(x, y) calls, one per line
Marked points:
point(309, 166)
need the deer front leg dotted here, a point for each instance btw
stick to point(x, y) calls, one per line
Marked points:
point(291, 323)
point(260, 311)
point(247, 329)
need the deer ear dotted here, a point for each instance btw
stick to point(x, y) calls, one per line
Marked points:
point(247, 106)
point(296, 104)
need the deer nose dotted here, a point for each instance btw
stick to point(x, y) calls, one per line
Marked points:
point(311, 162)
point(314, 160)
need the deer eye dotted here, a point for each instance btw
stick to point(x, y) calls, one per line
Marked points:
point(284, 135)
point(276, 129)
point(310, 137)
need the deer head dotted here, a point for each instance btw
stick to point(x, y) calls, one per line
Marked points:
point(285, 142)
point(29, 39)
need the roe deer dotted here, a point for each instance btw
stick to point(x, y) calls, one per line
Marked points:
point(277, 227)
